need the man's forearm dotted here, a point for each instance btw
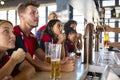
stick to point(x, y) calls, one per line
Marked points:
point(115, 44)
point(117, 30)
point(39, 65)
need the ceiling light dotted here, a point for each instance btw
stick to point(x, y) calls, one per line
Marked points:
point(2, 2)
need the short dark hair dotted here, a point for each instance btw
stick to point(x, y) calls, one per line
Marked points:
point(22, 6)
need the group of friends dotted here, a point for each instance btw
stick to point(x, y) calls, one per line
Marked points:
point(22, 53)
point(21, 56)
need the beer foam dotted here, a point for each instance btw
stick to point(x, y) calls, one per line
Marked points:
point(55, 59)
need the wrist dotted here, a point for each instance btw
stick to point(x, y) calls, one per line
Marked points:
point(13, 61)
point(59, 42)
point(111, 29)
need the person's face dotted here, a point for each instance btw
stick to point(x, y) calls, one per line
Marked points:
point(30, 16)
point(52, 16)
point(72, 37)
point(7, 37)
point(73, 26)
point(57, 28)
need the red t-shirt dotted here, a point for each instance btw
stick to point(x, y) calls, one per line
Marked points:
point(28, 44)
point(46, 38)
point(43, 27)
point(4, 60)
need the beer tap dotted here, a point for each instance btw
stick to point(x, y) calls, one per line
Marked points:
point(97, 38)
point(98, 31)
point(88, 43)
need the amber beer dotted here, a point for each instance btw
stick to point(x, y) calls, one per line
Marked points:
point(55, 69)
point(106, 40)
point(48, 59)
point(55, 61)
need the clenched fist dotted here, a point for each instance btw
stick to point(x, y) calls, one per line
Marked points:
point(68, 64)
point(18, 55)
point(61, 38)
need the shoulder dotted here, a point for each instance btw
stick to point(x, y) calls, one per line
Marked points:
point(46, 37)
point(42, 27)
point(17, 30)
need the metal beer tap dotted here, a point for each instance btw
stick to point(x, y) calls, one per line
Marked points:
point(88, 43)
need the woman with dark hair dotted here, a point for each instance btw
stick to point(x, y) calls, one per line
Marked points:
point(71, 36)
point(39, 32)
point(53, 33)
point(73, 24)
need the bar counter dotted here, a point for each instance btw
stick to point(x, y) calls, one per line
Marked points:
point(81, 70)
point(79, 73)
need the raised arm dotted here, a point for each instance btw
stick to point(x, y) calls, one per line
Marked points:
point(111, 29)
point(16, 57)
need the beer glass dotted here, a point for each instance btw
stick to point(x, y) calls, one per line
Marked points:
point(106, 39)
point(47, 52)
point(55, 61)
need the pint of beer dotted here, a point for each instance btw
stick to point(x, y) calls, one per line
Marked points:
point(55, 71)
point(106, 40)
point(55, 61)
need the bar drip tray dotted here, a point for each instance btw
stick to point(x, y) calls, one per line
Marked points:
point(109, 58)
point(93, 76)
point(96, 72)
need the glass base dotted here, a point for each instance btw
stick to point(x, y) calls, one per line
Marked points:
point(55, 78)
